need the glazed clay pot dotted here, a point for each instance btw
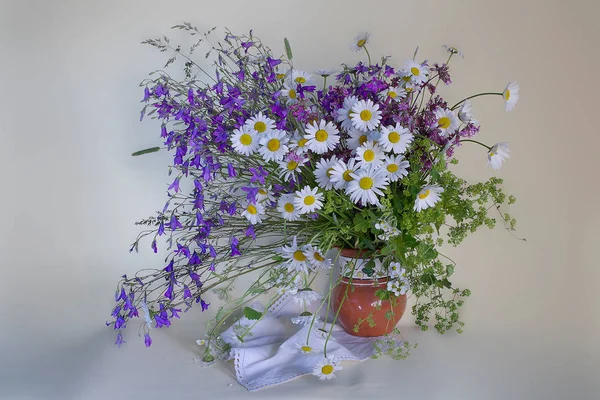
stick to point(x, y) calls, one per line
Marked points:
point(356, 301)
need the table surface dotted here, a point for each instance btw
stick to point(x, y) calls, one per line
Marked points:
point(472, 365)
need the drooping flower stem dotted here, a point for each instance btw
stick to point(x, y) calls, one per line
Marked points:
point(475, 95)
point(475, 141)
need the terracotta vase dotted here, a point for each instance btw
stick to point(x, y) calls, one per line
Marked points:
point(359, 307)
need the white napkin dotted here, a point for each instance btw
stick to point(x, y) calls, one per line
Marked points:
point(271, 356)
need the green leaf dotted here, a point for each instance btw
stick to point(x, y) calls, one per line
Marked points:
point(382, 294)
point(428, 278)
point(410, 242)
point(449, 269)
point(251, 313)
point(288, 49)
point(146, 151)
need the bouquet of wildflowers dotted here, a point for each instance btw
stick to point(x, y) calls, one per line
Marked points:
point(274, 167)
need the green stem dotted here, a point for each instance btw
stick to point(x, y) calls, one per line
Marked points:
point(476, 95)
point(475, 141)
point(368, 55)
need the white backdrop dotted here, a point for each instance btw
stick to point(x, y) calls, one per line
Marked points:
point(70, 194)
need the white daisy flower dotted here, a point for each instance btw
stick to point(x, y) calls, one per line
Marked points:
point(201, 342)
point(289, 93)
point(367, 185)
point(285, 205)
point(298, 143)
point(360, 41)
point(497, 154)
point(316, 257)
point(396, 168)
point(447, 121)
point(273, 145)
point(244, 141)
point(305, 348)
point(326, 72)
point(465, 113)
point(265, 194)
point(365, 115)
point(393, 93)
point(342, 172)
point(357, 138)
point(306, 297)
point(260, 123)
point(296, 260)
point(427, 197)
point(326, 368)
point(411, 87)
point(418, 72)
point(344, 114)
point(308, 200)
point(290, 167)
point(369, 155)
point(306, 318)
point(405, 76)
point(252, 212)
point(322, 137)
point(298, 77)
point(396, 138)
point(511, 95)
point(323, 171)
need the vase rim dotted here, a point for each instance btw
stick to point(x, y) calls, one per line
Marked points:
point(354, 253)
point(365, 282)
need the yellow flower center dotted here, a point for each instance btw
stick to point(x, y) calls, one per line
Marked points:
point(288, 207)
point(506, 94)
point(415, 71)
point(246, 139)
point(392, 168)
point(406, 78)
point(365, 183)
point(251, 209)
point(424, 195)
point(347, 176)
point(326, 370)
point(309, 200)
point(273, 144)
point(302, 142)
point(292, 94)
point(444, 122)
point(280, 76)
point(492, 154)
point(306, 349)
point(361, 42)
point(350, 113)
point(321, 135)
point(329, 172)
point(262, 191)
point(299, 256)
point(300, 79)
point(292, 165)
point(318, 256)
point(392, 94)
point(369, 155)
point(394, 137)
point(366, 115)
point(362, 139)
point(260, 126)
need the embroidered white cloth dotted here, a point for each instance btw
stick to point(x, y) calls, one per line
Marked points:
point(272, 354)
